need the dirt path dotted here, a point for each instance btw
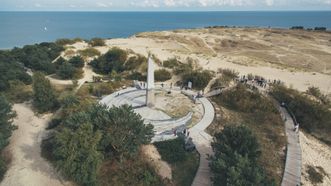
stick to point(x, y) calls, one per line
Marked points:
point(28, 168)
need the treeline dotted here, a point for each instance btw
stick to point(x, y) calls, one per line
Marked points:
point(302, 28)
point(236, 157)
point(95, 145)
point(37, 57)
point(312, 113)
point(11, 69)
point(6, 128)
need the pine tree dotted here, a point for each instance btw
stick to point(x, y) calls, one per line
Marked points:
point(44, 98)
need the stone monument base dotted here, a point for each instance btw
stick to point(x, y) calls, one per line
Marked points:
point(150, 98)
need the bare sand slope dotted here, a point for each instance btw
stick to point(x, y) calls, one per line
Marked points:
point(298, 58)
point(317, 154)
point(28, 168)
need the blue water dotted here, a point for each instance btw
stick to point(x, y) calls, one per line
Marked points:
point(20, 28)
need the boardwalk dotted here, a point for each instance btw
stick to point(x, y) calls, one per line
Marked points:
point(292, 172)
point(202, 140)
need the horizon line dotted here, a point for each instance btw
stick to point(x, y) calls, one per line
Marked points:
point(257, 10)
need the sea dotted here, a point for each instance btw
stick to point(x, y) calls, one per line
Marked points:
point(21, 28)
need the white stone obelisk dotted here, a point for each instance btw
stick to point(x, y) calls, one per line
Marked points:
point(150, 98)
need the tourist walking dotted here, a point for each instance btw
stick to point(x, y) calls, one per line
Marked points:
point(296, 127)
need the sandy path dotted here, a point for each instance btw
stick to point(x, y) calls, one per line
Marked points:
point(28, 168)
point(315, 153)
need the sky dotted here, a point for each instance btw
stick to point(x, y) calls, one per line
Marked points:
point(162, 5)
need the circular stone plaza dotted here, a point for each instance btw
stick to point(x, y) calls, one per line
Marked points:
point(171, 111)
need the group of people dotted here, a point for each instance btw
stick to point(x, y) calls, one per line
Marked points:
point(186, 132)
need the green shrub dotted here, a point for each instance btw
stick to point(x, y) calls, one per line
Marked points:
point(114, 59)
point(172, 151)
point(77, 61)
point(18, 92)
point(6, 128)
point(199, 79)
point(244, 100)
point(235, 161)
point(315, 91)
point(135, 171)
point(135, 62)
point(226, 77)
point(3, 168)
point(137, 76)
point(66, 71)
point(171, 63)
point(312, 115)
point(76, 153)
point(102, 89)
point(183, 69)
point(38, 57)
point(314, 176)
point(11, 70)
point(97, 42)
point(44, 98)
point(89, 52)
point(162, 75)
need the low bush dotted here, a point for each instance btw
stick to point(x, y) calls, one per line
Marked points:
point(172, 151)
point(313, 116)
point(18, 92)
point(97, 42)
point(183, 68)
point(244, 100)
point(314, 176)
point(225, 79)
point(183, 164)
point(199, 79)
point(114, 59)
point(134, 62)
point(137, 76)
point(102, 89)
point(236, 155)
point(89, 52)
point(162, 75)
point(66, 41)
point(171, 63)
point(77, 61)
point(6, 128)
point(66, 71)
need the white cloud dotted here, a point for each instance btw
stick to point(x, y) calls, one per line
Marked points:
point(147, 3)
point(169, 3)
point(104, 5)
point(209, 3)
point(269, 2)
point(37, 5)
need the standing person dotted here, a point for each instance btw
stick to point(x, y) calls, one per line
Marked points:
point(188, 133)
point(297, 129)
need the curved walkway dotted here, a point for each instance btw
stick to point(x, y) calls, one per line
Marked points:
point(202, 141)
point(292, 172)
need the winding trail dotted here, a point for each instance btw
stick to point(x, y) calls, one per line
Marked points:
point(28, 168)
point(292, 172)
point(202, 141)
